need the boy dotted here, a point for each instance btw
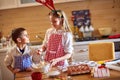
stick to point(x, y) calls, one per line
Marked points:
point(20, 57)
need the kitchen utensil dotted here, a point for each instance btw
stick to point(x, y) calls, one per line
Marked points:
point(53, 73)
point(114, 36)
point(47, 3)
point(46, 68)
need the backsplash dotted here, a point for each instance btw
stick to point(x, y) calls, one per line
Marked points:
point(35, 18)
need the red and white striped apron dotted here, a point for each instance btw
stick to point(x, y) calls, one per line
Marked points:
point(55, 49)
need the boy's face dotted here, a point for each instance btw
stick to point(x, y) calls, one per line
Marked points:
point(24, 38)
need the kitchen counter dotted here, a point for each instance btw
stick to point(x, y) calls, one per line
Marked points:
point(102, 40)
point(74, 43)
point(114, 75)
point(81, 48)
point(4, 50)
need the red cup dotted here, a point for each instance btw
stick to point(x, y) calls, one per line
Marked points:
point(36, 76)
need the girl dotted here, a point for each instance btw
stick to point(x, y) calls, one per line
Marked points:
point(58, 40)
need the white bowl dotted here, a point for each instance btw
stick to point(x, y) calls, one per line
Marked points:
point(53, 73)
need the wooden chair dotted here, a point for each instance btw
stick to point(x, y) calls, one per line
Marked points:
point(101, 51)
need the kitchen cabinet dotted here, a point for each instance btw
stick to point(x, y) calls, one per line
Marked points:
point(117, 55)
point(23, 3)
point(6, 4)
point(5, 73)
point(81, 52)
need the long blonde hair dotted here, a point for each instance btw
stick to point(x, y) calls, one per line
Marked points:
point(62, 15)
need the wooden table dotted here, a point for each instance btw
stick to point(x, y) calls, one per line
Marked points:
point(114, 75)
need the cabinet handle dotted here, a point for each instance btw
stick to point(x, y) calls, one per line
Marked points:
point(83, 50)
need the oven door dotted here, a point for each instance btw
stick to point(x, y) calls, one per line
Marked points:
point(117, 49)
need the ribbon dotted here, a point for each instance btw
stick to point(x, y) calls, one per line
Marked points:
point(47, 3)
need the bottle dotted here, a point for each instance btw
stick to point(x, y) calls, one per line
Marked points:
point(3, 41)
point(86, 29)
point(91, 28)
point(81, 29)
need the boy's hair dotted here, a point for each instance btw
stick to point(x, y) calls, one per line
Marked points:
point(16, 33)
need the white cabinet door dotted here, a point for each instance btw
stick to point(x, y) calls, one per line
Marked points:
point(25, 3)
point(6, 4)
point(80, 53)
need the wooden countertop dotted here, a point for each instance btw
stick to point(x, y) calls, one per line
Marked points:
point(114, 75)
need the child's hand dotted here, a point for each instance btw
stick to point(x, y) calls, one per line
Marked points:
point(29, 69)
point(39, 51)
point(54, 61)
point(43, 48)
point(16, 70)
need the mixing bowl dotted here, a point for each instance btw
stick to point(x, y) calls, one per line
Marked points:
point(106, 31)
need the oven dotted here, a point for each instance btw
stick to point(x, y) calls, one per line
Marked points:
point(117, 49)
